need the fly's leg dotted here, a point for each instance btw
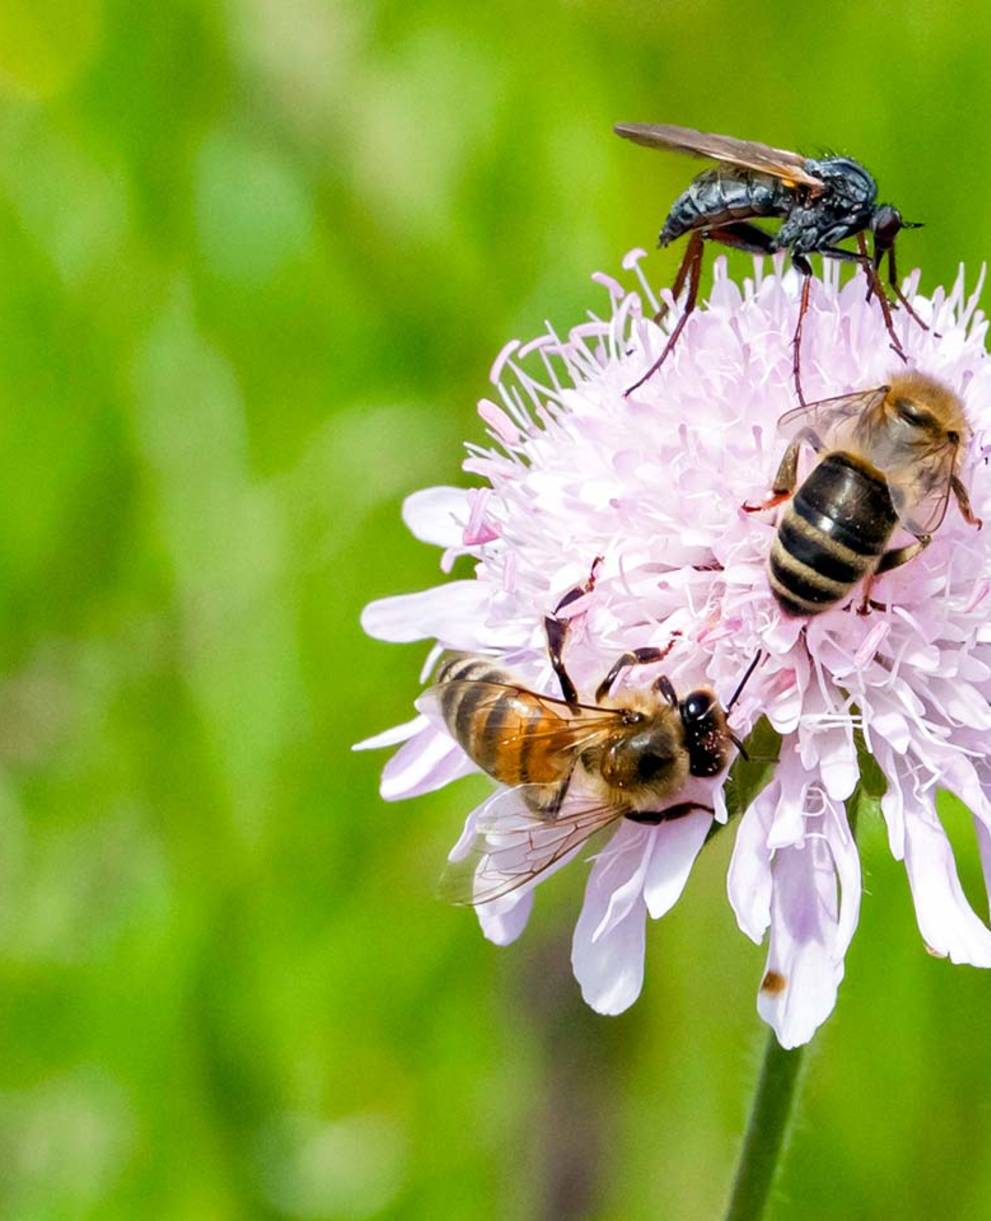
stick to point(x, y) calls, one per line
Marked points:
point(893, 281)
point(963, 501)
point(742, 236)
point(874, 286)
point(692, 269)
point(739, 236)
point(635, 657)
point(679, 282)
point(803, 265)
point(891, 560)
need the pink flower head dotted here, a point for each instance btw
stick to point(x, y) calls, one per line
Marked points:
point(653, 484)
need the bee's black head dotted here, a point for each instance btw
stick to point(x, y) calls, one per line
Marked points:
point(704, 723)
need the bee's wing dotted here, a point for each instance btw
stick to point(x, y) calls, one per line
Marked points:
point(921, 504)
point(753, 156)
point(566, 731)
point(513, 845)
point(829, 419)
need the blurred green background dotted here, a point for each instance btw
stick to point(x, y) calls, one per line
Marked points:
point(255, 260)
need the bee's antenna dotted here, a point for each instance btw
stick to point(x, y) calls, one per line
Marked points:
point(738, 744)
point(758, 657)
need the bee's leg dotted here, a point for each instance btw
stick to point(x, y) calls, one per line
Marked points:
point(963, 500)
point(553, 806)
point(666, 688)
point(557, 631)
point(787, 476)
point(635, 657)
point(652, 817)
point(692, 268)
point(580, 591)
point(890, 560)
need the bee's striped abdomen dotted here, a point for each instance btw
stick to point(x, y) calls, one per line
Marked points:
point(509, 733)
point(832, 533)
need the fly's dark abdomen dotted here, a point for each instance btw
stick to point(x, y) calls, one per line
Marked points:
point(720, 197)
point(832, 533)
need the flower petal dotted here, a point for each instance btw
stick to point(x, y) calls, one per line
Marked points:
point(676, 844)
point(609, 968)
point(504, 924)
point(748, 882)
point(454, 613)
point(803, 972)
point(424, 763)
point(437, 515)
point(948, 924)
point(393, 736)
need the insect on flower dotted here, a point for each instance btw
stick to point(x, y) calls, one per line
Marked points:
point(887, 457)
point(574, 769)
point(821, 202)
point(564, 477)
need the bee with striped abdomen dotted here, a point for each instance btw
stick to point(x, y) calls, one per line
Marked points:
point(887, 457)
point(573, 768)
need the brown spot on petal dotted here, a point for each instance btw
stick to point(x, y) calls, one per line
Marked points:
point(934, 953)
point(773, 983)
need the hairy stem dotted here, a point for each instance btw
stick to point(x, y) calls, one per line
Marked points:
point(766, 1131)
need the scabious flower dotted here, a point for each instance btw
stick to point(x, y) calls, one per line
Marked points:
point(653, 485)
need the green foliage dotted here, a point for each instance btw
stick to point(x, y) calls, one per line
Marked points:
point(865, 800)
point(750, 775)
point(256, 260)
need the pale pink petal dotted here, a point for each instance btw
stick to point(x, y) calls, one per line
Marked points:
point(749, 877)
point(623, 866)
point(609, 967)
point(393, 736)
point(437, 515)
point(676, 844)
point(454, 613)
point(803, 971)
point(504, 925)
point(984, 847)
point(424, 763)
point(947, 922)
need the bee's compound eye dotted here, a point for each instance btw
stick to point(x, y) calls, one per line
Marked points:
point(697, 706)
point(649, 764)
point(913, 415)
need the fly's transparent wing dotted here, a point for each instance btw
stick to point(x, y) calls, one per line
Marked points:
point(831, 421)
point(790, 167)
point(922, 500)
point(514, 844)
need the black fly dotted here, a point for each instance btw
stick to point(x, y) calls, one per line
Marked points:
point(820, 202)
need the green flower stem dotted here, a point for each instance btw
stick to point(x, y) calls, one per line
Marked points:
point(766, 1131)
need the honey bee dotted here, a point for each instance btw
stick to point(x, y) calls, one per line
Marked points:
point(633, 752)
point(886, 457)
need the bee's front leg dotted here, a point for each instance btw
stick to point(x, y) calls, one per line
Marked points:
point(787, 476)
point(963, 500)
